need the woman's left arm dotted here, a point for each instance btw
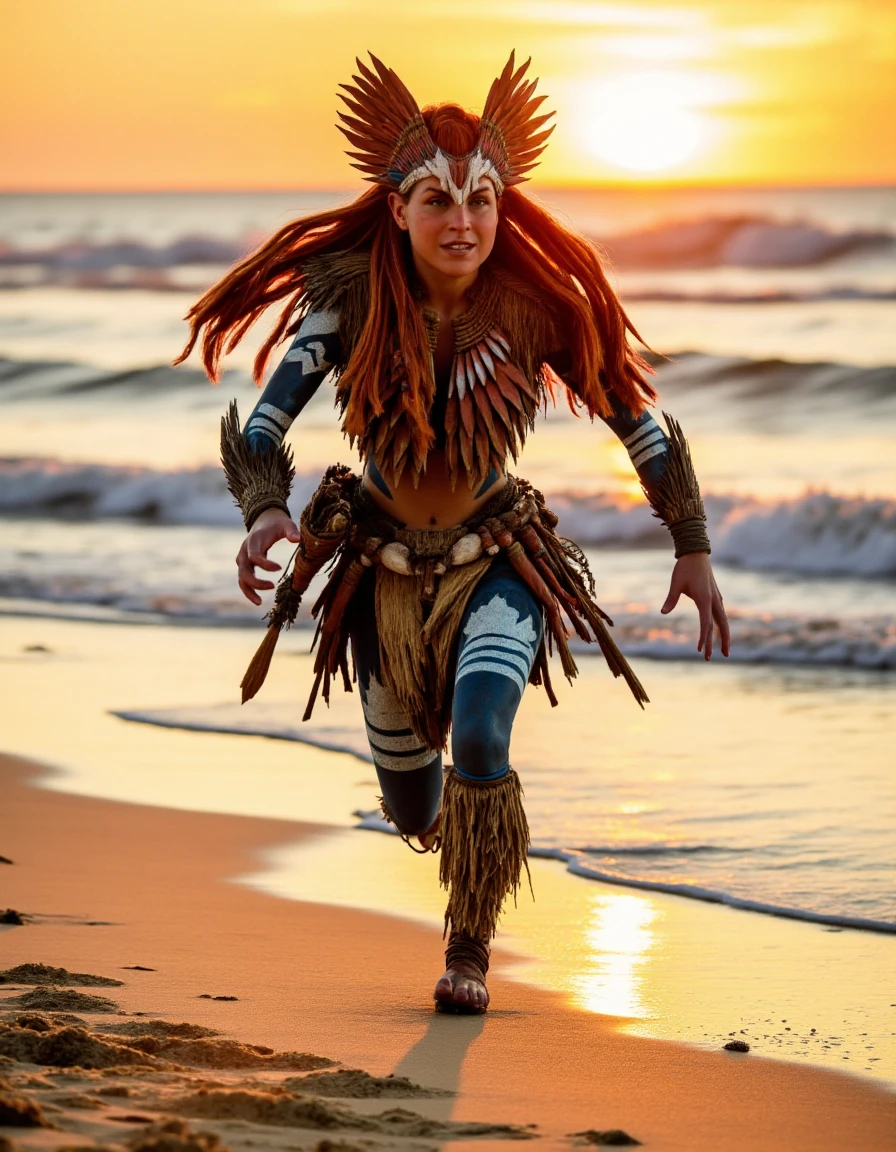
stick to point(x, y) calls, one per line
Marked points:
point(663, 464)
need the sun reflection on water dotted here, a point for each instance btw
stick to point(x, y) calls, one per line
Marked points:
point(620, 939)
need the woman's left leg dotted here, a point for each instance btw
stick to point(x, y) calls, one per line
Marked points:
point(485, 836)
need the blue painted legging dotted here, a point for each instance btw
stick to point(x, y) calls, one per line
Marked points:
point(498, 639)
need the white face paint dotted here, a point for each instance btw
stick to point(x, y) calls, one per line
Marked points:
point(440, 167)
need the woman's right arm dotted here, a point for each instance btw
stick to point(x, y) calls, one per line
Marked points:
point(312, 354)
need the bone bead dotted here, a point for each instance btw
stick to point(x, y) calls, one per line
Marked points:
point(396, 558)
point(468, 548)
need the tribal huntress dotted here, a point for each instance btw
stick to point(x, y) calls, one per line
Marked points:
point(447, 306)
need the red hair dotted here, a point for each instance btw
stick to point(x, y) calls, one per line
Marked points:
point(530, 243)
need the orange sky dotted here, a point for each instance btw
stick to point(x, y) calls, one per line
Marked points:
point(218, 94)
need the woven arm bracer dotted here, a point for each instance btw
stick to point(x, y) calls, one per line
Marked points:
point(677, 500)
point(257, 480)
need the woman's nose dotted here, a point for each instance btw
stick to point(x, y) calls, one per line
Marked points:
point(460, 217)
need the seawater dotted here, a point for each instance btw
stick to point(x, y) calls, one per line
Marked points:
point(770, 313)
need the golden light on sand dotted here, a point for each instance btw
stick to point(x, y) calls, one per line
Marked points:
point(619, 938)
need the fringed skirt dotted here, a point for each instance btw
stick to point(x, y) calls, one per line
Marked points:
point(423, 582)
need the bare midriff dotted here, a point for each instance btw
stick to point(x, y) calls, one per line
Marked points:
point(432, 504)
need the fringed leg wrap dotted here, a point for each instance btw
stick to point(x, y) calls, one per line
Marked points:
point(485, 843)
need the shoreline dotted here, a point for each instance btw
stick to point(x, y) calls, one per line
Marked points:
point(674, 967)
point(336, 990)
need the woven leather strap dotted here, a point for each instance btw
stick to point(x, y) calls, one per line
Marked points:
point(466, 950)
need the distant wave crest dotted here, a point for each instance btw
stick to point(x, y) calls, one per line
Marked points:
point(714, 241)
point(819, 533)
point(741, 241)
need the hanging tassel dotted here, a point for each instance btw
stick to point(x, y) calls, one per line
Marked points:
point(322, 529)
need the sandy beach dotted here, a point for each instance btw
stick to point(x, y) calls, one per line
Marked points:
point(108, 886)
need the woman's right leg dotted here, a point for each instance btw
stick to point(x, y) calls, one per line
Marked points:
point(410, 774)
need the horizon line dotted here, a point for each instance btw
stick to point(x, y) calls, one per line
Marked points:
point(592, 186)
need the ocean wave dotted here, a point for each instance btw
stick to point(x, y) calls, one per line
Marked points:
point(818, 387)
point(191, 260)
point(817, 534)
point(663, 295)
point(35, 380)
point(741, 241)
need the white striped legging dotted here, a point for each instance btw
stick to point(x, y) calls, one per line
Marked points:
point(497, 642)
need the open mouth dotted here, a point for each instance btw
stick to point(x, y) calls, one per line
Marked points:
point(459, 247)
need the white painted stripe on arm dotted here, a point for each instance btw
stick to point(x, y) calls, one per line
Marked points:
point(654, 438)
point(648, 453)
point(268, 427)
point(649, 425)
point(276, 414)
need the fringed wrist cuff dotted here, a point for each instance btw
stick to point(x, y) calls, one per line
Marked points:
point(677, 500)
point(257, 480)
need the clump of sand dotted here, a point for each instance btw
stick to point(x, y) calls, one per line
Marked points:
point(283, 1110)
point(207, 1053)
point(607, 1138)
point(269, 1108)
point(20, 1112)
point(160, 1028)
point(175, 1136)
point(154, 1043)
point(352, 1083)
point(80, 1100)
point(54, 999)
point(247, 1112)
point(45, 974)
point(65, 1048)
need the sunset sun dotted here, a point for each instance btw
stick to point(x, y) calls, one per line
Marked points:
point(646, 123)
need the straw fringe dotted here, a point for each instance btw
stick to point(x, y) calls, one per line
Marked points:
point(417, 659)
point(678, 502)
point(257, 480)
point(485, 842)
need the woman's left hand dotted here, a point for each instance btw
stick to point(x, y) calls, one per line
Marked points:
point(692, 575)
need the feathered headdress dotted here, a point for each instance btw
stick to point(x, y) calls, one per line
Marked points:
point(396, 149)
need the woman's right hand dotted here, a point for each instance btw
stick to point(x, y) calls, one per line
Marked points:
point(272, 525)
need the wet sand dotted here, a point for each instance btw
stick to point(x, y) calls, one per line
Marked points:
point(107, 886)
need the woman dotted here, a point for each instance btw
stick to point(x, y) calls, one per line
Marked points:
point(448, 306)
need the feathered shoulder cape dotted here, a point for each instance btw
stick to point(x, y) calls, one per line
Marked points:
point(499, 375)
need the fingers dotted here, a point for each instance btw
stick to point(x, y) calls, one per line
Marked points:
point(704, 644)
point(672, 599)
point(253, 554)
point(721, 618)
point(246, 588)
point(260, 560)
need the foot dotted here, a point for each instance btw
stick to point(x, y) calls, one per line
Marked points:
point(430, 840)
point(462, 989)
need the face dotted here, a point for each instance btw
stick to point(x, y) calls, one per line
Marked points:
point(449, 239)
